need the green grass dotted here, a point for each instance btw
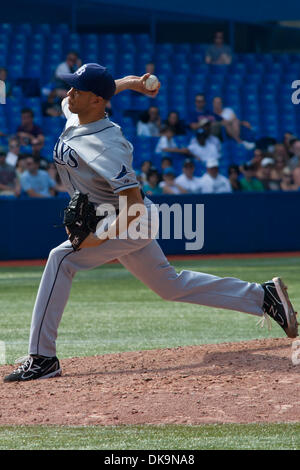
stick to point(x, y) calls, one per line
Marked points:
point(110, 311)
point(206, 437)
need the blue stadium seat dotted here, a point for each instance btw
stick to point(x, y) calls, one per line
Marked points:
point(274, 68)
point(164, 47)
point(90, 57)
point(33, 71)
point(25, 28)
point(182, 48)
point(61, 28)
point(37, 45)
point(5, 28)
point(199, 48)
point(42, 28)
point(3, 59)
point(292, 70)
point(282, 59)
point(255, 78)
point(163, 68)
point(15, 71)
point(122, 101)
point(266, 59)
point(201, 69)
point(248, 59)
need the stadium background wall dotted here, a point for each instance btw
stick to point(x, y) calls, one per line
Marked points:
point(233, 223)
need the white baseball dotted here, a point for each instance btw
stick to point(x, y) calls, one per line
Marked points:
point(151, 83)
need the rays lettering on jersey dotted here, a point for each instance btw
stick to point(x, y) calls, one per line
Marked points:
point(64, 155)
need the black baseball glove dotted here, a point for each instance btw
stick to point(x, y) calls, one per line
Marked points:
point(80, 219)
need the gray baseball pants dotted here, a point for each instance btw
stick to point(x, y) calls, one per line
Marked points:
point(146, 261)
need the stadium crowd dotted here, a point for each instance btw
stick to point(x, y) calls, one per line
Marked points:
point(270, 165)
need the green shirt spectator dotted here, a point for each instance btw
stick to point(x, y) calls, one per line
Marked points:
point(249, 182)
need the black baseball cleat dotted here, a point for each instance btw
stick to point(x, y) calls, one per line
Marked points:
point(278, 306)
point(35, 367)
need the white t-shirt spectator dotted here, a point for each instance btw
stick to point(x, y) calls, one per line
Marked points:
point(11, 159)
point(147, 129)
point(210, 151)
point(220, 184)
point(173, 187)
point(164, 143)
point(192, 185)
point(62, 69)
point(228, 114)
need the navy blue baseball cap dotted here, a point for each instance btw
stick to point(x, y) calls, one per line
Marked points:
point(92, 77)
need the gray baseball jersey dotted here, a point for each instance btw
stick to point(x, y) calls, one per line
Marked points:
point(97, 159)
point(94, 158)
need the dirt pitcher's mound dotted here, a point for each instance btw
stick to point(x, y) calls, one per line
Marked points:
point(222, 383)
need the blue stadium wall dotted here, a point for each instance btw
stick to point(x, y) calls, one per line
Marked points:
point(233, 223)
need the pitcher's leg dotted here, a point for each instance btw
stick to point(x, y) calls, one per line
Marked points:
point(55, 286)
point(150, 266)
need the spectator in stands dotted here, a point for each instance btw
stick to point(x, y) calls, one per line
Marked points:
point(231, 123)
point(295, 158)
point(70, 65)
point(249, 182)
point(108, 109)
point(150, 68)
point(233, 175)
point(21, 165)
point(290, 180)
point(212, 181)
point(167, 143)
point(151, 187)
point(149, 124)
point(218, 53)
point(8, 85)
point(265, 175)
point(53, 173)
point(201, 112)
point(204, 146)
point(52, 106)
point(138, 174)
point(8, 178)
point(175, 123)
point(258, 155)
point(36, 182)
point(13, 152)
point(166, 162)
point(288, 140)
point(296, 175)
point(28, 132)
point(279, 165)
point(2, 93)
point(145, 167)
point(280, 151)
point(169, 185)
point(187, 180)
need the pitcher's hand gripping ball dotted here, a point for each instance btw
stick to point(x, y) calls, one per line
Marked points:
point(151, 83)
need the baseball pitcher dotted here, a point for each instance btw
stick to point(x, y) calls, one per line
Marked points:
point(94, 161)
